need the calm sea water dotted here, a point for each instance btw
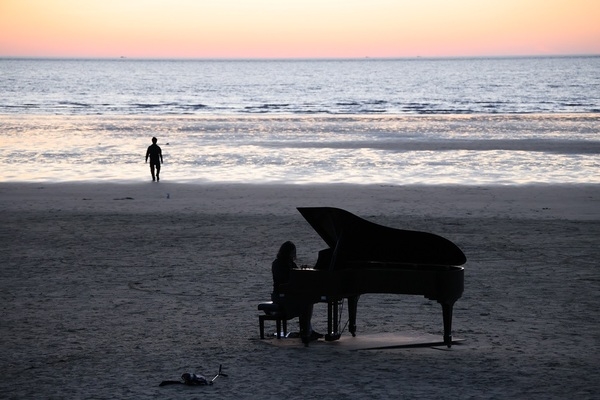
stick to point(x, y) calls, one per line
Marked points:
point(407, 86)
point(430, 121)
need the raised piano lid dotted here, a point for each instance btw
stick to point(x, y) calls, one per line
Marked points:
point(354, 239)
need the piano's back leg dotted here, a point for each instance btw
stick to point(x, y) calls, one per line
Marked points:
point(447, 314)
point(352, 309)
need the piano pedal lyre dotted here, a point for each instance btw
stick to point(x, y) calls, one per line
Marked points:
point(333, 324)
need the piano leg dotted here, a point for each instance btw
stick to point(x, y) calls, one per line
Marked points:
point(352, 308)
point(447, 313)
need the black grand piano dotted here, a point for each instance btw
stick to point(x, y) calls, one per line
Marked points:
point(364, 257)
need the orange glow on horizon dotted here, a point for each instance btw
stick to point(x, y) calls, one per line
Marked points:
point(294, 29)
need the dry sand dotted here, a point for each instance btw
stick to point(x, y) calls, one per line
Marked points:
point(109, 289)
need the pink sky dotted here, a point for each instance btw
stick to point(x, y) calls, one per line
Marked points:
point(297, 29)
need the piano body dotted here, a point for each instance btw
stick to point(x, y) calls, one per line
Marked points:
point(364, 257)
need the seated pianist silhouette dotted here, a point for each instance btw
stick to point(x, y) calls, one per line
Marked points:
point(364, 257)
point(293, 306)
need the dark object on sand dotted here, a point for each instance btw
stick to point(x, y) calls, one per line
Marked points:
point(194, 380)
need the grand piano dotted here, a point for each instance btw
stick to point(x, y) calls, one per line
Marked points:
point(364, 257)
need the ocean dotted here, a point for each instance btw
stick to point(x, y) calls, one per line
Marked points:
point(465, 121)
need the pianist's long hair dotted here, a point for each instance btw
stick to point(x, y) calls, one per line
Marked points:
point(287, 251)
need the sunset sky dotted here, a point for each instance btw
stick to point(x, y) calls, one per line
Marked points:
point(297, 28)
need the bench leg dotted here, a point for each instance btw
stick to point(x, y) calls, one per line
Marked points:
point(261, 325)
point(280, 322)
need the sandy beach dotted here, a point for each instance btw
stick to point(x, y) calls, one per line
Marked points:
point(109, 289)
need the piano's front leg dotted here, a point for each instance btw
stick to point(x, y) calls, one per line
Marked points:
point(352, 309)
point(333, 317)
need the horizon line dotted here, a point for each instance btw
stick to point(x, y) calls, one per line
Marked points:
point(375, 58)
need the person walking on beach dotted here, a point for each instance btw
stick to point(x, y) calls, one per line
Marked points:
point(156, 158)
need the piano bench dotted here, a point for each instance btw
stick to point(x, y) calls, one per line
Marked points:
point(272, 313)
